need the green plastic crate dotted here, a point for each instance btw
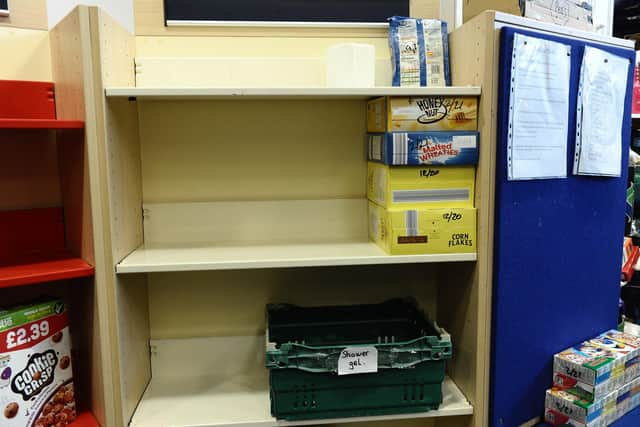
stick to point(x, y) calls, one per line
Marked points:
point(303, 348)
point(299, 395)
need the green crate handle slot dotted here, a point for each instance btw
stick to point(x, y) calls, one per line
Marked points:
point(391, 355)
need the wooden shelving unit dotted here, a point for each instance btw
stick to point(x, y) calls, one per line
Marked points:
point(214, 201)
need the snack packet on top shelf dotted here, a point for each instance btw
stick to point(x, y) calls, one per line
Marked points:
point(419, 52)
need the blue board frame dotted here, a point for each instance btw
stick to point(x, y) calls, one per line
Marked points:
point(557, 256)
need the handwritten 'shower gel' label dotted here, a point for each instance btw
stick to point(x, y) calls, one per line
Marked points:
point(358, 360)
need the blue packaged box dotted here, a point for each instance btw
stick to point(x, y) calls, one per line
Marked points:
point(424, 148)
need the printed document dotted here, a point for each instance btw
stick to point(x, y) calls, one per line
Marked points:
point(600, 110)
point(538, 109)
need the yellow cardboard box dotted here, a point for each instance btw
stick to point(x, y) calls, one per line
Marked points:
point(423, 231)
point(420, 186)
point(428, 113)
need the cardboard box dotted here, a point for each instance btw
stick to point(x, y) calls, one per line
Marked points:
point(589, 364)
point(635, 107)
point(622, 349)
point(422, 114)
point(36, 381)
point(421, 186)
point(568, 13)
point(423, 231)
point(424, 148)
point(563, 408)
point(628, 346)
point(583, 390)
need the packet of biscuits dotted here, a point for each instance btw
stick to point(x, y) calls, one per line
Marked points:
point(36, 379)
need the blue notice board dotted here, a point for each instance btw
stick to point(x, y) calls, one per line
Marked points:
point(557, 259)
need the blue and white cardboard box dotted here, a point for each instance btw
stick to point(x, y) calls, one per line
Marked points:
point(424, 148)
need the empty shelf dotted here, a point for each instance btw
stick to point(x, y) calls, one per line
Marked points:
point(162, 259)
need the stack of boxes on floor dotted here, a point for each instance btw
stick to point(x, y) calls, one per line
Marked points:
point(596, 382)
point(422, 153)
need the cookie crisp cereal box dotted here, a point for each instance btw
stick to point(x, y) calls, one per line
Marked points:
point(36, 381)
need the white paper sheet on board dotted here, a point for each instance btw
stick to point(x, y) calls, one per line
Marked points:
point(600, 109)
point(538, 109)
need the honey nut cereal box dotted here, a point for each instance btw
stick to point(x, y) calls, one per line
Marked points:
point(419, 114)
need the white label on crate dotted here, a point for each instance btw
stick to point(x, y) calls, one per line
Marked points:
point(358, 360)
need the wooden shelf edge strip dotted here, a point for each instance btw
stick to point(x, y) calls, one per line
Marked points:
point(131, 266)
point(204, 92)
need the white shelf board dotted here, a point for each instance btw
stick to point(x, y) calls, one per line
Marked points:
point(198, 258)
point(300, 93)
point(635, 116)
point(244, 402)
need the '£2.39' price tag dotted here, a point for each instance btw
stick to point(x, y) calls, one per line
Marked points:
point(358, 360)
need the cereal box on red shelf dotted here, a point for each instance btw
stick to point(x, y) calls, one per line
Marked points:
point(36, 380)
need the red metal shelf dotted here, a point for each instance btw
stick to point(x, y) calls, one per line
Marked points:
point(58, 267)
point(32, 249)
point(85, 419)
point(31, 105)
point(40, 124)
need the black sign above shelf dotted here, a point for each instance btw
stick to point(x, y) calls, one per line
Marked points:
point(183, 12)
point(4, 7)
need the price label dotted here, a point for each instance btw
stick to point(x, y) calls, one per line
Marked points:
point(358, 360)
point(22, 336)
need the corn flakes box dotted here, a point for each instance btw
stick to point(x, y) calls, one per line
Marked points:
point(419, 114)
point(423, 231)
point(424, 148)
point(415, 187)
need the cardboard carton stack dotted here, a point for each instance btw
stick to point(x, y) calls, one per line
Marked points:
point(422, 153)
point(595, 382)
